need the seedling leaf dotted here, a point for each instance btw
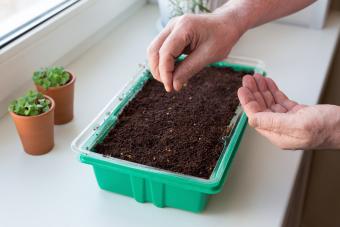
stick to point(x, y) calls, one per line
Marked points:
point(32, 104)
point(51, 77)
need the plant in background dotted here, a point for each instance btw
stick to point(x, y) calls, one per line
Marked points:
point(180, 7)
point(51, 77)
point(32, 104)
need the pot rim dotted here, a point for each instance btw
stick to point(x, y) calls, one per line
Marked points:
point(73, 79)
point(36, 116)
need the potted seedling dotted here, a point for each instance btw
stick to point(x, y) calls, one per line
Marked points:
point(33, 115)
point(57, 83)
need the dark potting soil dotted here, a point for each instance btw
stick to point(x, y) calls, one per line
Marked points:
point(179, 131)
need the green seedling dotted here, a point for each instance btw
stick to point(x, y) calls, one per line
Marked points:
point(180, 7)
point(32, 104)
point(51, 77)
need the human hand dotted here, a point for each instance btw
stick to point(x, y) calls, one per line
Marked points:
point(205, 38)
point(285, 123)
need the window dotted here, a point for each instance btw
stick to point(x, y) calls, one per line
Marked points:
point(45, 40)
point(20, 16)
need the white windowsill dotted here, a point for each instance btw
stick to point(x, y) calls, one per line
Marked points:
point(56, 190)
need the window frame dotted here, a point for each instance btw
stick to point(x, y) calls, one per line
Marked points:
point(56, 42)
point(34, 22)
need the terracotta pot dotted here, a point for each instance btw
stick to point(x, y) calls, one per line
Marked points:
point(36, 132)
point(63, 97)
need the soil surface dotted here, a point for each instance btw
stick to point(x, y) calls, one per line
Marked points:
point(179, 131)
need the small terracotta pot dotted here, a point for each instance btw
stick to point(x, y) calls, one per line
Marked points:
point(36, 132)
point(63, 97)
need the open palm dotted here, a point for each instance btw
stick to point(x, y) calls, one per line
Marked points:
point(284, 122)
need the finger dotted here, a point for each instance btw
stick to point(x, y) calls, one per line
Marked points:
point(249, 82)
point(281, 140)
point(281, 123)
point(153, 51)
point(172, 47)
point(266, 121)
point(279, 96)
point(191, 65)
point(262, 86)
point(248, 101)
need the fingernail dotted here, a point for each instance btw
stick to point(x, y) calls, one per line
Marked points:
point(177, 86)
point(167, 88)
point(252, 121)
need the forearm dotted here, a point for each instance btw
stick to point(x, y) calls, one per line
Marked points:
point(251, 13)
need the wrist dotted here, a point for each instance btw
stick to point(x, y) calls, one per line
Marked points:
point(332, 128)
point(230, 21)
point(240, 13)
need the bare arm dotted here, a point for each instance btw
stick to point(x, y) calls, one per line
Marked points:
point(252, 13)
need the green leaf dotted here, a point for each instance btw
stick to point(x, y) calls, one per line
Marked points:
point(32, 104)
point(51, 77)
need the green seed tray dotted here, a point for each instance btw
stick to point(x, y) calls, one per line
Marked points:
point(148, 184)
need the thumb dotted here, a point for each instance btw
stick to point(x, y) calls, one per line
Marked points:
point(270, 121)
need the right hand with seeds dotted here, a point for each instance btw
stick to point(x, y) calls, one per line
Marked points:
point(285, 123)
point(205, 38)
